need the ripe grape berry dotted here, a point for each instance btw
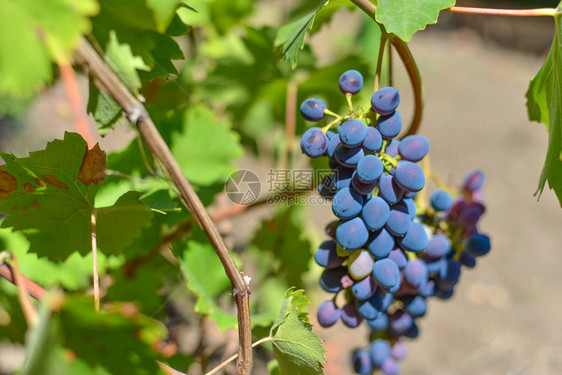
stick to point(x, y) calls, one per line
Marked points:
point(388, 252)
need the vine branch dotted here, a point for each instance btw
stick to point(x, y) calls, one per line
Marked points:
point(135, 111)
point(504, 12)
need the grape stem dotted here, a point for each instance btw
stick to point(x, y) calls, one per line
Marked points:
point(228, 360)
point(34, 290)
point(95, 264)
point(504, 12)
point(108, 82)
point(379, 59)
point(349, 102)
point(334, 114)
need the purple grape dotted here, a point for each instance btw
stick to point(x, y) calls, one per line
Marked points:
point(361, 187)
point(380, 351)
point(351, 82)
point(409, 176)
point(313, 109)
point(399, 258)
point(390, 367)
point(441, 200)
point(399, 323)
point(314, 142)
point(352, 133)
point(399, 351)
point(389, 189)
point(413, 148)
point(331, 228)
point(392, 147)
point(415, 239)
point(373, 140)
point(412, 332)
point(352, 234)
point(467, 260)
point(348, 157)
point(385, 100)
point(375, 305)
point(411, 205)
point(331, 279)
point(328, 314)
point(415, 272)
point(333, 143)
point(347, 203)
point(327, 255)
point(399, 219)
point(416, 306)
point(473, 181)
point(350, 316)
point(362, 362)
point(342, 177)
point(386, 273)
point(389, 126)
point(381, 243)
point(375, 213)
point(439, 245)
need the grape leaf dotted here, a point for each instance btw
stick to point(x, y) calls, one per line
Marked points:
point(290, 38)
point(44, 197)
point(405, 18)
point(544, 104)
point(164, 11)
point(295, 346)
point(45, 30)
point(205, 277)
point(205, 148)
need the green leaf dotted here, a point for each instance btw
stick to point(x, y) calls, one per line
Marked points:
point(45, 30)
point(206, 147)
point(206, 278)
point(405, 18)
point(290, 38)
point(296, 347)
point(50, 195)
point(164, 11)
point(544, 104)
point(293, 251)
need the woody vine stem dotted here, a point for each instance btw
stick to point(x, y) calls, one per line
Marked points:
point(107, 80)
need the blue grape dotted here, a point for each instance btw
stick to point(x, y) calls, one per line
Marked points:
point(343, 177)
point(351, 82)
point(327, 256)
point(399, 351)
point(438, 246)
point(409, 176)
point(389, 189)
point(326, 187)
point(369, 169)
point(467, 260)
point(444, 293)
point(352, 234)
point(473, 181)
point(375, 305)
point(386, 273)
point(392, 147)
point(331, 279)
point(399, 219)
point(413, 147)
point(361, 187)
point(362, 362)
point(360, 264)
point(389, 126)
point(331, 227)
point(375, 213)
point(411, 205)
point(379, 323)
point(373, 140)
point(314, 142)
point(364, 289)
point(452, 275)
point(330, 134)
point(350, 316)
point(427, 289)
point(352, 132)
point(347, 203)
point(441, 200)
point(328, 314)
point(416, 306)
point(390, 367)
point(380, 351)
point(438, 266)
point(412, 332)
point(399, 258)
point(348, 157)
point(478, 245)
point(385, 100)
point(333, 143)
point(381, 244)
point(415, 272)
point(415, 239)
point(313, 109)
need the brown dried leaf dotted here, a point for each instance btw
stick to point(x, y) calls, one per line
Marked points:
point(8, 183)
point(93, 166)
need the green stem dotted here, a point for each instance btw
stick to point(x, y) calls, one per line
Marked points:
point(504, 12)
point(334, 114)
point(349, 102)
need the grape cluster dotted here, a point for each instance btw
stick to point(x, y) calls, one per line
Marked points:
point(389, 251)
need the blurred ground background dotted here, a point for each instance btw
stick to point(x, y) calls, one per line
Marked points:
point(504, 317)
